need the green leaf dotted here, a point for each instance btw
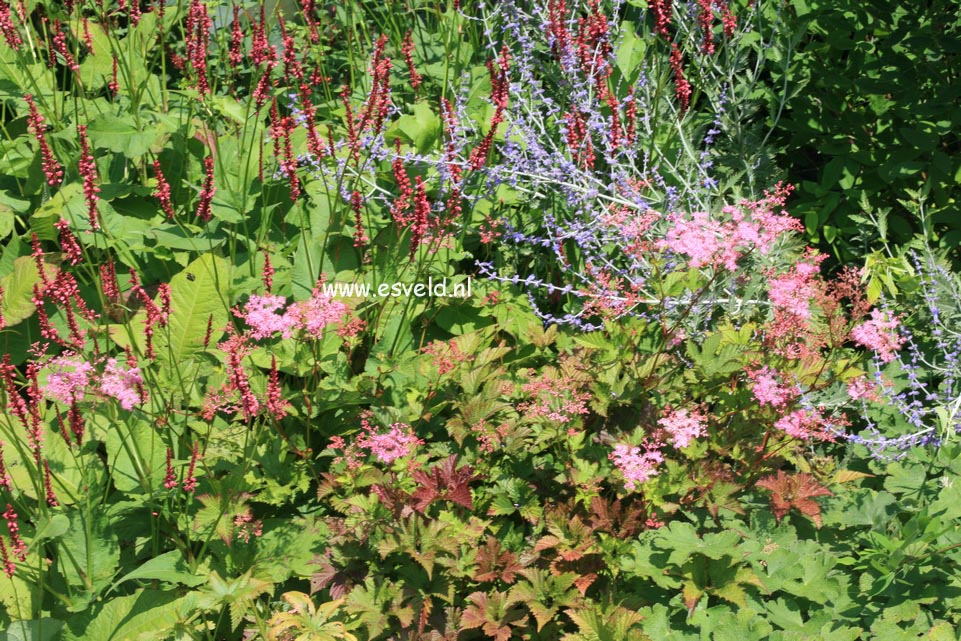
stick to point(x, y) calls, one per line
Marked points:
point(631, 51)
point(33, 630)
point(89, 552)
point(421, 128)
point(17, 287)
point(120, 134)
point(137, 458)
point(170, 567)
point(68, 203)
point(237, 593)
point(126, 618)
point(197, 295)
point(52, 527)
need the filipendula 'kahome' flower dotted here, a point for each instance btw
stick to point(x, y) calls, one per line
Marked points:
point(805, 425)
point(121, 383)
point(397, 442)
point(879, 334)
point(861, 388)
point(263, 315)
point(636, 464)
point(317, 312)
point(683, 426)
point(769, 388)
point(68, 378)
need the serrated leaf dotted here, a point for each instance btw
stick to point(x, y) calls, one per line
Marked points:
point(846, 476)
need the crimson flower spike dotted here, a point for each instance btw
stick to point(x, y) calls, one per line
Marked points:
point(207, 192)
point(198, 32)
point(407, 50)
point(162, 192)
point(9, 30)
point(51, 168)
point(88, 170)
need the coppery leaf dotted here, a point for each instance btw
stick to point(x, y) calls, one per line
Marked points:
point(444, 482)
point(796, 491)
point(496, 563)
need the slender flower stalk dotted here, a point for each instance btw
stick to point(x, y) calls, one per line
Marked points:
point(51, 168)
point(162, 191)
point(88, 170)
point(207, 191)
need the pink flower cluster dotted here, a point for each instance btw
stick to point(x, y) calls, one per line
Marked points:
point(70, 376)
point(712, 242)
point(805, 424)
point(636, 464)
point(121, 383)
point(265, 317)
point(768, 388)
point(879, 334)
point(387, 446)
point(683, 426)
point(862, 388)
point(792, 292)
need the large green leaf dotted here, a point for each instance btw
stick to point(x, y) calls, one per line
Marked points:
point(197, 295)
point(89, 555)
point(137, 458)
point(170, 567)
point(144, 613)
point(18, 289)
point(35, 630)
point(122, 135)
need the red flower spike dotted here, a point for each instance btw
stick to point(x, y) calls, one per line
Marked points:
point(60, 46)
point(48, 485)
point(407, 50)
point(207, 192)
point(88, 170)
point(170, 478)
point(51, 168)
point(68, 243)
point(9, 30)
point(421, 217)
point(705, 20)
point(682, 87)
point(162, 192)
point(190, 482)
point(662, 16)
point(9, 567)
point(276, 405)
point(357, 206)
point(268, 273)
point(198, 32)
point(13, 527)
point(236, 55)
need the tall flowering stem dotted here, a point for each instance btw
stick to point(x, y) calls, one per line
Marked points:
point(207, 191)
point(88, 170)
point(198, 33)
point(51, 167)
point(162, 191)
